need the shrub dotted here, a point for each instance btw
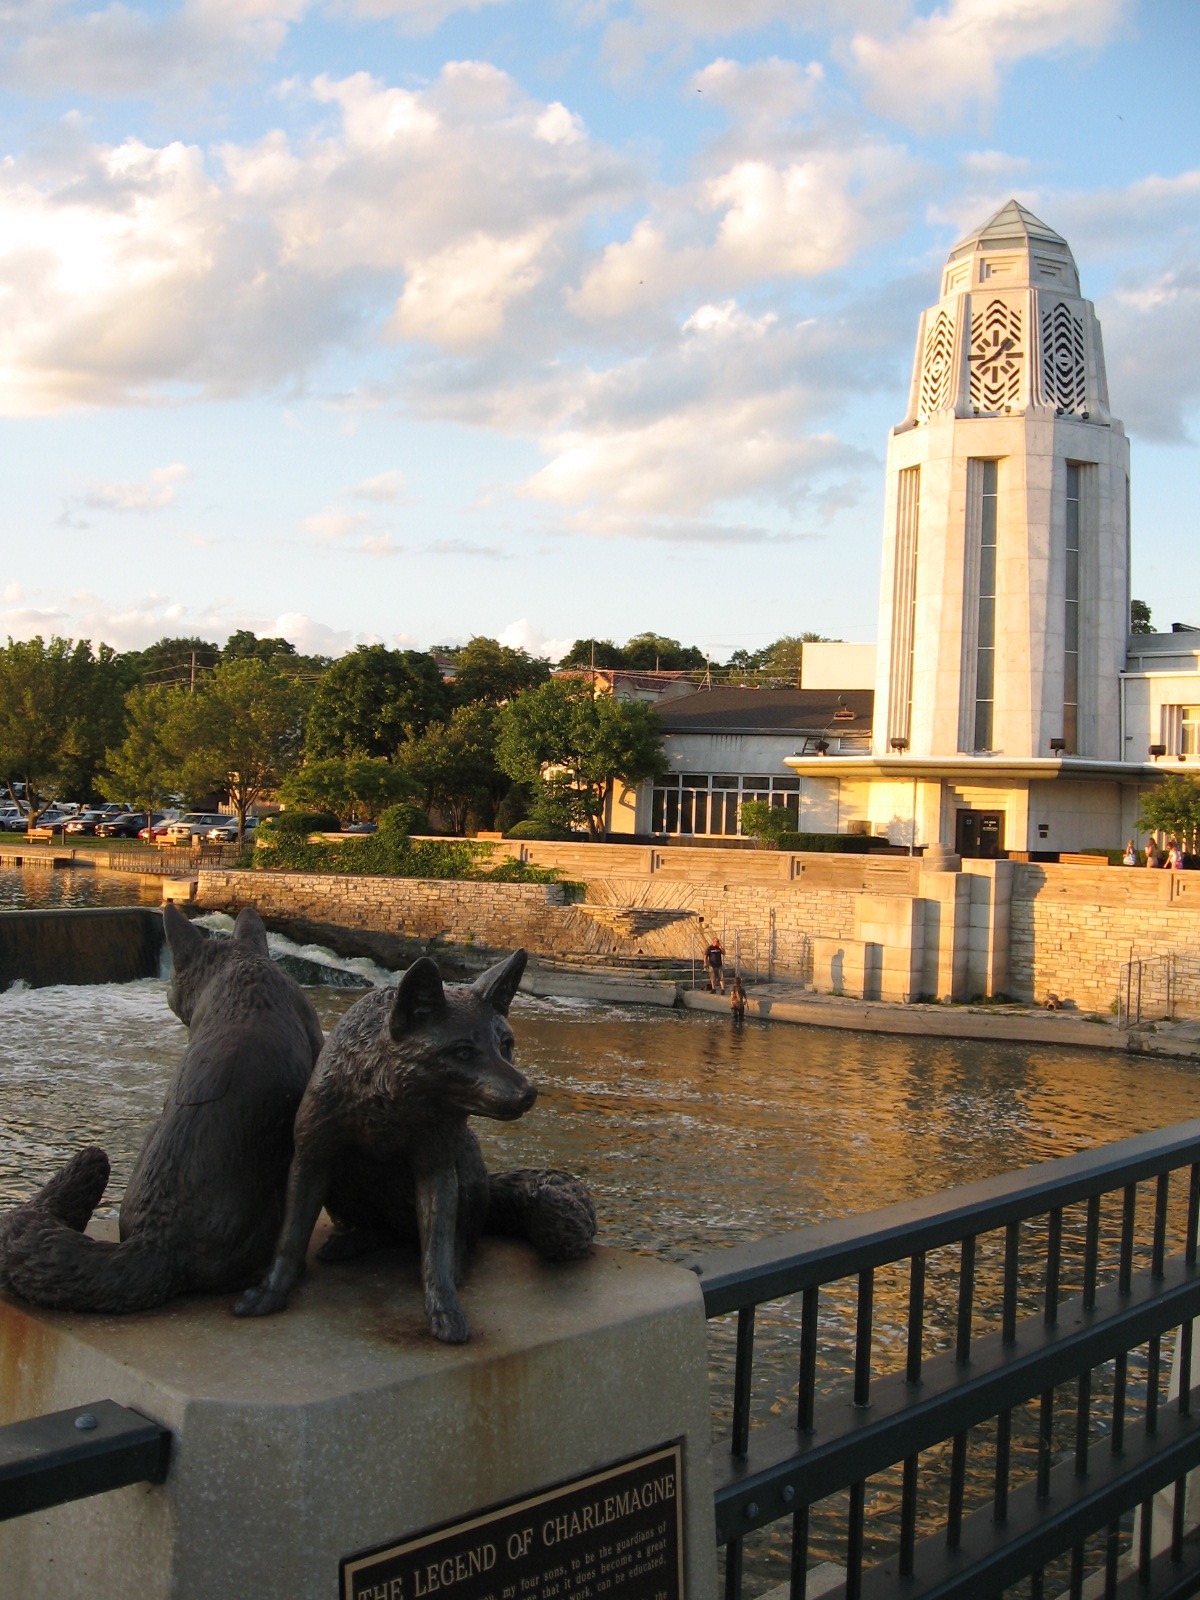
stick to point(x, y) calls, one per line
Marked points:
point(299, 824)
point(766, 823)
point(533, 828)
point(850, 844)
point(512, 809)
point(404, 819)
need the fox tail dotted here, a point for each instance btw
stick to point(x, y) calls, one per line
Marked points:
point(552, 1209)
point(47, 1258)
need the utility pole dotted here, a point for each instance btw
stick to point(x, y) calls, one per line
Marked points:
point(192, 675)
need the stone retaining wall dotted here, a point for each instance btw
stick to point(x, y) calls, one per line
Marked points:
point(1066, 931)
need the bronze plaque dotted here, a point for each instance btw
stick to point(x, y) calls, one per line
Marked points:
point(616, 1533)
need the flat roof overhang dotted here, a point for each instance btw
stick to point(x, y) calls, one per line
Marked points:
point(977, 768)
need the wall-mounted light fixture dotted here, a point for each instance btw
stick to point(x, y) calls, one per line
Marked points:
point(1157, 750)
point(899, 744)
point(822, 747)
point(1058, 745)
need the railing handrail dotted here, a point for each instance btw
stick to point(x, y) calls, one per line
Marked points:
point(764, 1269)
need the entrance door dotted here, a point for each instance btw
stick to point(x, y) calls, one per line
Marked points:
point(979, 834)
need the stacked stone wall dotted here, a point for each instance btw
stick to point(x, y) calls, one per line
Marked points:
point(1072, 929)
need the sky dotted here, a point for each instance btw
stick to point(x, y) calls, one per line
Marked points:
point(409, 320)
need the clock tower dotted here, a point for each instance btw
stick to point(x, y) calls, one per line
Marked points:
point(1004, 608)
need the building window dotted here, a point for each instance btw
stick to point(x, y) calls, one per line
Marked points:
point(696, 804)
point(985, 650)
point(904, 603)
point(1189, 730)
point(1071, 612)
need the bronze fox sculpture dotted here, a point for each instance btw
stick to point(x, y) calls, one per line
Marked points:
point(205, 1199)
point(382, 1141)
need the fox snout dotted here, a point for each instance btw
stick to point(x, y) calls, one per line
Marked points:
point(505, 1102)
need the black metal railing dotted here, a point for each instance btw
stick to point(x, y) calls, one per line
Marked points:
point(69, 1455)
point(977, 1384)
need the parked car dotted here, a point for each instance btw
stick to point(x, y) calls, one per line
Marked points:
point(360, 827)
point(158, 827)
point(85, 821)
point(10, 815)
point(228, 829)
point(193, 825)
point(46, 819)
point(128, 825)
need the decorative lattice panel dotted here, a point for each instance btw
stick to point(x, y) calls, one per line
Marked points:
point(937, 367)
point(996, 356)
point(1063, 370)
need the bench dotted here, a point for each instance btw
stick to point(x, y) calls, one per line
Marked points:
point(46, 834)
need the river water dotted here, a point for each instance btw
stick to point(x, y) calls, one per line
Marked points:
point(692, 1134)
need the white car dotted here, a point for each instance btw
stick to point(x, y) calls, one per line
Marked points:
point(194, 825)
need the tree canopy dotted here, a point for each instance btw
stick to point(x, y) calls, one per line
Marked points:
point(488, 672)
point(60, 705)
point(372, 700)
point(1173, 807)
point(569, 746)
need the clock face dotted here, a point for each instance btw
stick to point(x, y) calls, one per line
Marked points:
point(996, 356)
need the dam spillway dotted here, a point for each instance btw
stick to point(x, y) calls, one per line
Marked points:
point(80, 945)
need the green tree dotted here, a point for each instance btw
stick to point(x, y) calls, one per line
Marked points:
point(60, 704)
point(488, 672)
point(1173, 807)
point(171, 661)
point(358, 788)
point(781, 661)
point(243, 644)
point(570, 747)
point(372, 700)
point(654, 652)
point(1139, 617)
point(143, 768)
point(240, 732)
point(594, 653)
point(454, 765)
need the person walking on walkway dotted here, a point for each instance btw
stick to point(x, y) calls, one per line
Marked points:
point(714, 959)
point(1153, 859)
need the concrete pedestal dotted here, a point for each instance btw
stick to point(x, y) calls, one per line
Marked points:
point(341, 1424)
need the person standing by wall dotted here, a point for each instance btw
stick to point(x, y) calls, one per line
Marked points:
point(714, 961)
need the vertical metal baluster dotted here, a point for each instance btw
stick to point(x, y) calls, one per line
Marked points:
point(1083, 1420)
point(1193, 1215)
point(733, 1570)
point(1076, 1585)
point(862, 1337)
point(1177, 1519)
point(916, 1339)
point(808, 1359)
point(742, 1381)
point(799, 1574)
point(854, 1541)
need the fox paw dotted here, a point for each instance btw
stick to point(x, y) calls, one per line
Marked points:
point(259, 1302)
point(449, 1323)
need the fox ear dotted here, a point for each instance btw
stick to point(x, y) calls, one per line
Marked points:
point(248, 929)
point(419, 997)
point(183, 940)
point(499, 983)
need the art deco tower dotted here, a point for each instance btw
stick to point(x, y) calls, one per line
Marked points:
point(1004, 607)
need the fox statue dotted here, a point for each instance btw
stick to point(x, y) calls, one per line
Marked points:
point(205, 1199)
point(382, 1142)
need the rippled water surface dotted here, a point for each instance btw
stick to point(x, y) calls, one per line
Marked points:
point(692, 1135)
point(41, 887)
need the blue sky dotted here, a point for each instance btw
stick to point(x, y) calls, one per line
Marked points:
point(407, 320)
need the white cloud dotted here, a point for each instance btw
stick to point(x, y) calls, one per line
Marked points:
point(933, 69)
point(124, 50)
point(333, 524)
point(158, 491)
point(385, 486)
point(130, 273)
point(522, 635)
point(412, 16)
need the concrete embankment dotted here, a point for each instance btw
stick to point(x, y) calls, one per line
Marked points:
point(94, 944)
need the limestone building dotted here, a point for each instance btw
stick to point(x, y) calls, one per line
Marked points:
point(1008, 711)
